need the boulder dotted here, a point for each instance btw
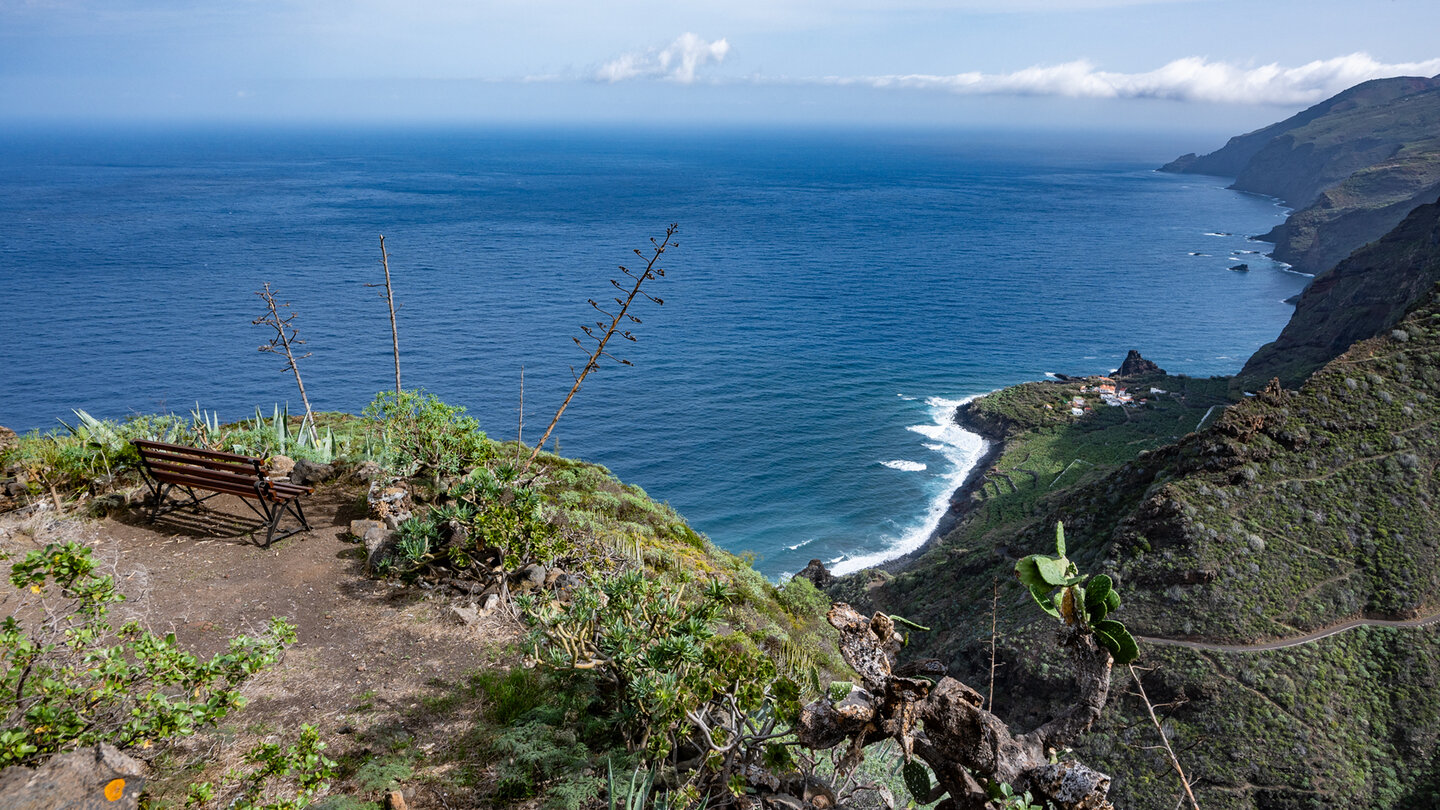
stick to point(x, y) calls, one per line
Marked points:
point(88, 779)
point(1137, 366)
point(466, 616)
point(309, 473)
point(377, 538)
point(277, 467)
point(363, 473)
point(489, 602)
point(529, 578)
point(8, 439)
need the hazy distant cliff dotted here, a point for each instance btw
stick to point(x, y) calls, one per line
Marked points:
point(1363, 296)
point(1353, 166)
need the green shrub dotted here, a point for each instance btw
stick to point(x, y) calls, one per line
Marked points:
point(68, 679)
point(417, 433)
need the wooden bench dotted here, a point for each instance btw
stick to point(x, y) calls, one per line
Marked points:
point(167, 466)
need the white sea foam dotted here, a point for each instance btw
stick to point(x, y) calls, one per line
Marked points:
point(961, 450)
point(1052, 375)
point(801, 544)
point(1195, 253)
point(902, 464)
point(906, 397)
point(1218, 233)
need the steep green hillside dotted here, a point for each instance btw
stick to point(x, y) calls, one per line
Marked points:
point(1353, 165)
point(1230, 160)
point(1290, 512)
point(1361, 297)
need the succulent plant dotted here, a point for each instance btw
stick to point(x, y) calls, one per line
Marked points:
point(1062, 591)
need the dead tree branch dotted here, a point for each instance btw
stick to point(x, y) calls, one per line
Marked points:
point(284, 342)
point(607, 331)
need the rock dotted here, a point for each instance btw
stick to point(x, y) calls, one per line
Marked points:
point(8, 439)
point(395, 800)
point(377, 539)
point(464, 616)
point(387, 500)
point(108, 503)
point(97, 777)
point(784, 801)
point(309, 473)
point(1240, 268)
point(529, 578)
point(1137, 366)
point(278, 466)
point(363, 473)
point(817, 573)
point(489, 602)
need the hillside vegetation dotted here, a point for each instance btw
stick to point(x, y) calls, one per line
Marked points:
point(1290, 512)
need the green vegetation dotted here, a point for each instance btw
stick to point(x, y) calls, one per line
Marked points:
point(69, 679)
point(1286, 513)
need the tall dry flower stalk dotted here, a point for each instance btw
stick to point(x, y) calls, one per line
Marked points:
point(390, 299)
point(603, 332)
point(284, 342)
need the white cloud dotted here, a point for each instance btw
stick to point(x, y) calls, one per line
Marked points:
point(678, 61)
point(1189, 79)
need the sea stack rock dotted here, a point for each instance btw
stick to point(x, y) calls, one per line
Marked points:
point(817, 574)
point(1137, 366)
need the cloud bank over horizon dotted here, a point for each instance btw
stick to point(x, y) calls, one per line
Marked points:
point(1192, 78)
point(677, 62)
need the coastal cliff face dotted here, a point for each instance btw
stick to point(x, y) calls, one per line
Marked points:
point(1353, 166)
point(1246, 535)
point(1363, 296)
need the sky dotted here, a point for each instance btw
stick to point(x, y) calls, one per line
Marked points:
point(1166, 64)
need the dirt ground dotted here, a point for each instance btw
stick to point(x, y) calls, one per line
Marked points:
point(370, 656)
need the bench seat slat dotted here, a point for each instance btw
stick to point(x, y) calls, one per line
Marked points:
point(181, 449)
point(207, 463)
point(201, 474)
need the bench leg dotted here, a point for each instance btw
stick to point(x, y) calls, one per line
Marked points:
point(160, 494)
point(275, 510)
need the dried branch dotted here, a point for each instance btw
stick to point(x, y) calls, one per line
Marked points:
point(1174, 761)
point(284, 342)
point(607, 331)
point(390, 299)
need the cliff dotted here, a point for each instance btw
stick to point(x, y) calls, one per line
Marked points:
point(1363, 296)
point(1279, 554)
point(1353, 166)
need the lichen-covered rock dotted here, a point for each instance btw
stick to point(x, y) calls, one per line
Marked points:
point(88, 779)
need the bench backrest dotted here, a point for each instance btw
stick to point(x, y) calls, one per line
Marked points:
point(208, 469)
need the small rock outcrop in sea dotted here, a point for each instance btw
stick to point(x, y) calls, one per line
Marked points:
point(1241, 268)
point(1137, 366)
point(817, 573)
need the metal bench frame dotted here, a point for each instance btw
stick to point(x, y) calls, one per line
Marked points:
point(167, 466)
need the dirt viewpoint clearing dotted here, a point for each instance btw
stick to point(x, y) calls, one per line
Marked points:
point(368, 654)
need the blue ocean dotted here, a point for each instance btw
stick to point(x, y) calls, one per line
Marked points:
point(834, 296)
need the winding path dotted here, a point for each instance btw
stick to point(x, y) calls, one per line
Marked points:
point(1281, 644)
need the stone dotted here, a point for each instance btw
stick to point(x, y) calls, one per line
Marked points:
point(489, 602)
point(529, 578)
point(88, 779)
point(377, 538)
point(309, 473)
point(1137, 366)
point(363, 473)
point(464, 616)
point(8, 439)
point(784, 801)
point(817, 573)
point(395, 800)
point(277, 467)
